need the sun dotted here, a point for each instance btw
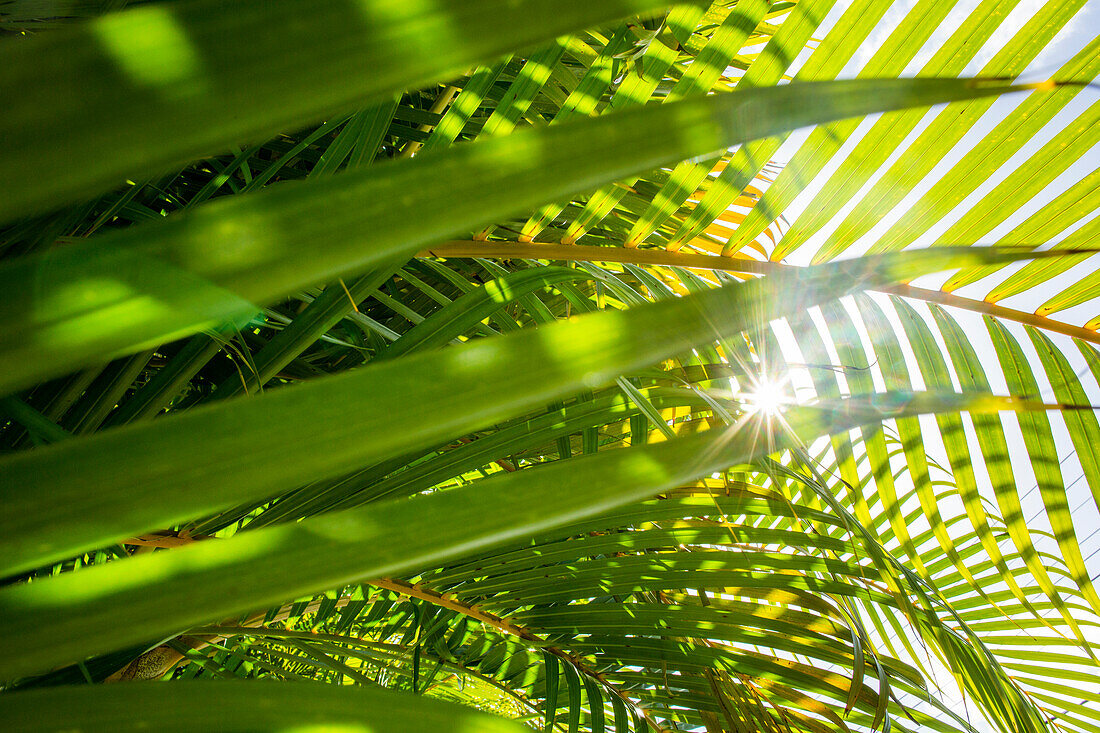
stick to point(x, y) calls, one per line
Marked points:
point(767, 397)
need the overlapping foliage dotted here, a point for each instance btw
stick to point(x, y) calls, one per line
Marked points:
point(447, 371)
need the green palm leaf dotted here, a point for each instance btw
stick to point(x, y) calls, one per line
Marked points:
point(478, 361)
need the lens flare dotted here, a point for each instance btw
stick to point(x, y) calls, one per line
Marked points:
point(767, 397)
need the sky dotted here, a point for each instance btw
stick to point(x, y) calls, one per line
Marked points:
point(1080, 31)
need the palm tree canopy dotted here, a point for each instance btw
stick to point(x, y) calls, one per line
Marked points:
point(496, 365)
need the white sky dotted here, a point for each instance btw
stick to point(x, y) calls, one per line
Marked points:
point(1069, 41)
